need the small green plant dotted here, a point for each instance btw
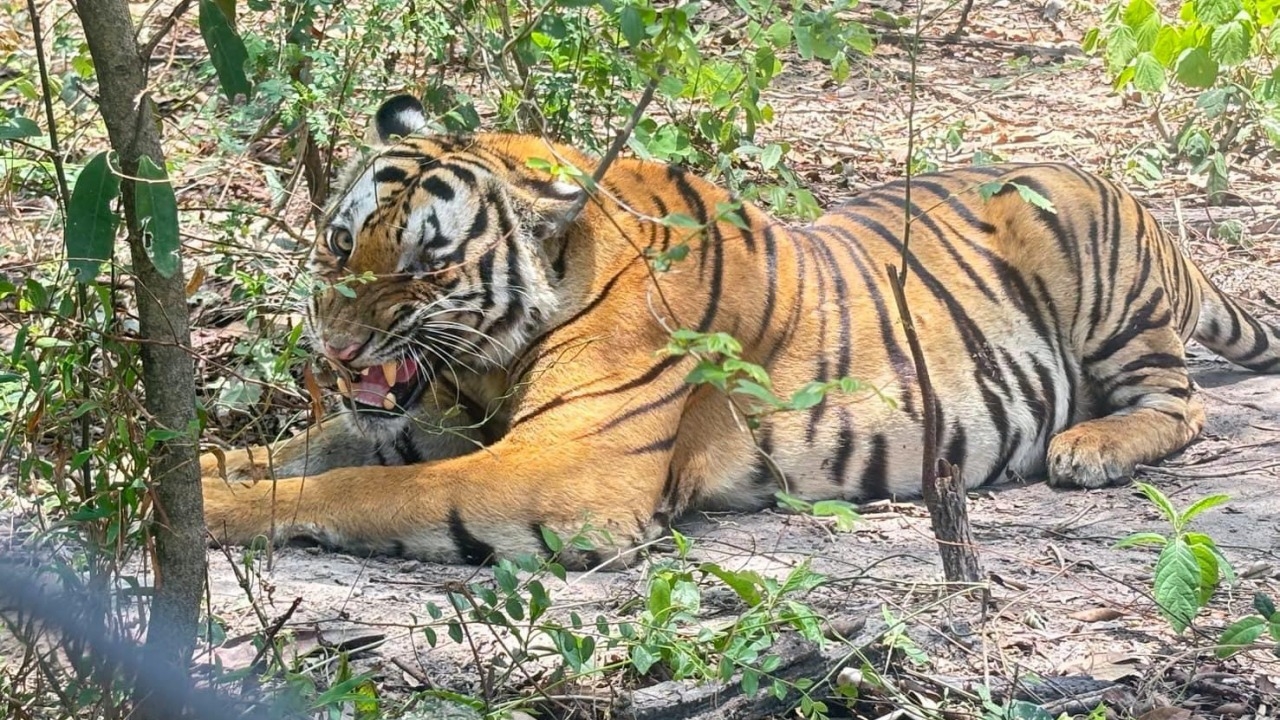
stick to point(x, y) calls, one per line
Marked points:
point(720, 365)
point(669, 633)
point(1248, 630)
point(663, 634)
point(1224, 50)
point(896, 638)
point(845, 515)
point(1190, 566)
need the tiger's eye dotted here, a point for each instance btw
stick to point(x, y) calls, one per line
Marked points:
point(341, 243)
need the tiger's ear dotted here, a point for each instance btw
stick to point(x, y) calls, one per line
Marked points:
point(399, 116)
point(549, 206)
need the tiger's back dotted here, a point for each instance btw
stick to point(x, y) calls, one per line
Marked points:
point(1054, 340)
point(1032, 320)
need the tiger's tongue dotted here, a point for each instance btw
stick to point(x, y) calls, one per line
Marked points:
point(373, 386)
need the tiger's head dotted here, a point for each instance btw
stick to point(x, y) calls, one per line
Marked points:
point(438, 255)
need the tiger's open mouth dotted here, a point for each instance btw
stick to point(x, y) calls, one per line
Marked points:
point(392, 386)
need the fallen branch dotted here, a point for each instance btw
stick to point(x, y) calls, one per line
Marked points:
point(686, 700)
point(269, 637)
point(1071, 694)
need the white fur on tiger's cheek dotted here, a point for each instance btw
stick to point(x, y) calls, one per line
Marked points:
point(359, 201)
point(454, 219)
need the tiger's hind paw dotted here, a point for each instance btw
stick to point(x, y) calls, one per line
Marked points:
point(1082, 457)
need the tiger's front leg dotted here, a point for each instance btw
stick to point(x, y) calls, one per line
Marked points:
point(469, 509)
point(341, 442)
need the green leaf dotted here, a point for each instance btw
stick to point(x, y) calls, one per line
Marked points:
point(642, 658)
point(226, 50)
point(632, 25)
point(685, 595)
point(1148, 73)
point(1196, 69)
point(808, 396)
point(1177, 584)
point(750, 681)
point(1161, 502)
point(1264, 12)
point(659, 598)
point(1195, 538)
point(1168, 43)
point(18, 127)
point(1035, 198)
point(367, 701)
point(757, 391)
point(1137, 11)
point(804, 41)
point(1215, 101)
point(681, 542)
point(157, 210)
point(1215, 12)
point(1143, 538)
point(90, 231)
point(552, 540)
point(792, 503)
point(1122, 45)
point(771, 156)
point(680, 220)
point(1230, 43)
point(1123, 79)
point(1216, 184)
point(746, 583)
point(1090, 41)
point(844, 513)
point(989, 190)
point(1240, 634)
point(1146, 33)
point(1264, 605)
point(1209, 572)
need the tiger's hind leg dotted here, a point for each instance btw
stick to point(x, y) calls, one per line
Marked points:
point(1140, 378)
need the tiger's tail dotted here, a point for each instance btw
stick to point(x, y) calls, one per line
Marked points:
point(1230, 331)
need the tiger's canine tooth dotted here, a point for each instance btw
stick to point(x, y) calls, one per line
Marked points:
point(389, 401)
point(343, 386)
point(389, 372)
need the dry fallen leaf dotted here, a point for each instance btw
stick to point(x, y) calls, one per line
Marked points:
point(197, 279)
point(1096, 615)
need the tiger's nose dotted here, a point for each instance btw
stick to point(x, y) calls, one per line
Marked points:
point(343, 354)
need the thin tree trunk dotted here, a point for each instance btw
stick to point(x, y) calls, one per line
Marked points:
point(167, 371)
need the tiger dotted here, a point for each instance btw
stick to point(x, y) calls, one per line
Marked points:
point(496, 324)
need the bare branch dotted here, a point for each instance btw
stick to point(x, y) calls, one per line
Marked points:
point(165, 26)
point(619, 141)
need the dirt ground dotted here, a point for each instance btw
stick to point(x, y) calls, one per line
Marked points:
point(1063, 600)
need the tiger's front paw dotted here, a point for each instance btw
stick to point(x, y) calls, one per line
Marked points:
point(1082, 457)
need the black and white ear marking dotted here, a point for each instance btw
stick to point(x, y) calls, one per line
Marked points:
point(399, 116)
